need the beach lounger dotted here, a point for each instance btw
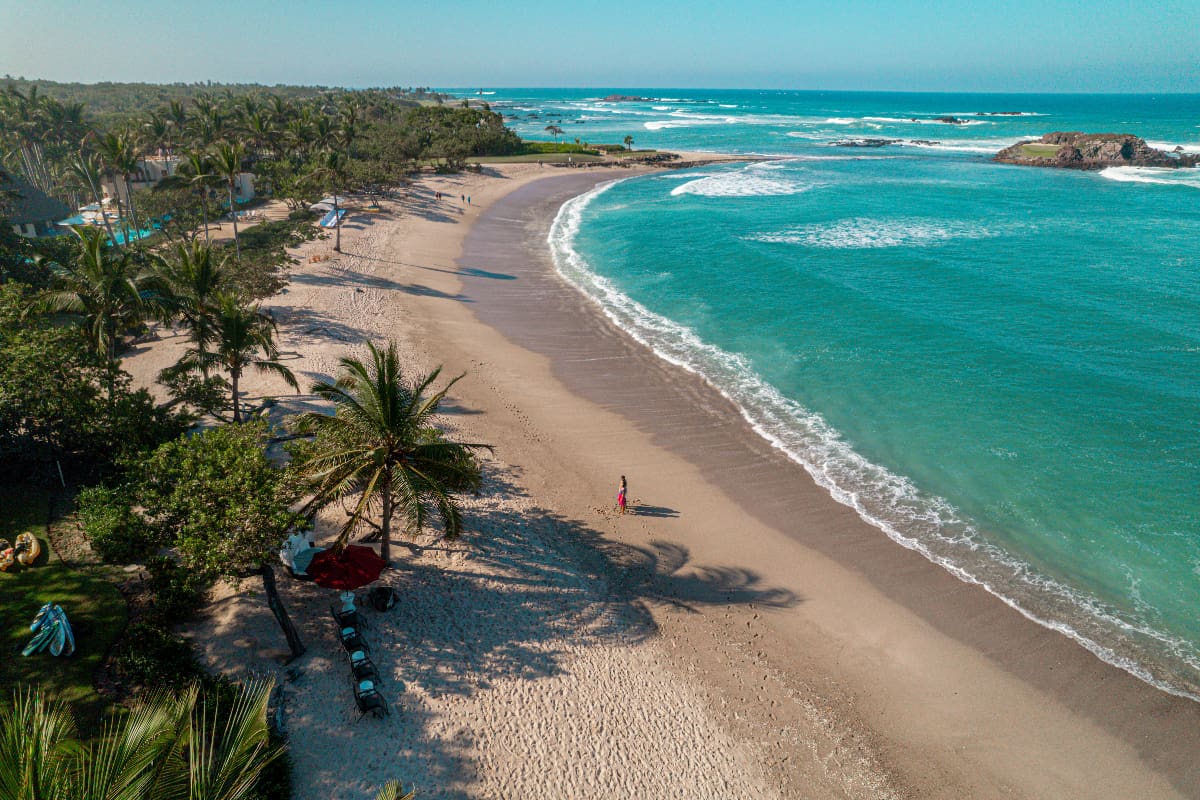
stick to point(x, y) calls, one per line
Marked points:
point(352, 640)
point(345, 618)
point(362, 667)
point(369, 700)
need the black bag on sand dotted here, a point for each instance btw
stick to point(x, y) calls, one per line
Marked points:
point(383, 597)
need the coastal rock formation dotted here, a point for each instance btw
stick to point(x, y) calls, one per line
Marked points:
point(1001, 113)
point(625, 98)
point(946, 120)
point(1075, 150)
point(863, 142)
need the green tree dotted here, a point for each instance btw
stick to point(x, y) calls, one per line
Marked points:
point(332, 171)
point(242, 337)
point(554, 131)
point(381, 445)
point(103, 287)
point(227, 163)
point(197, 174)
point(628, 142)
point(60, 401)
point(168, 747)
point(221, 503)
point(119, 154)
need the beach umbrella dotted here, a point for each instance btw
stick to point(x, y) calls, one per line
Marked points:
point(355, 566)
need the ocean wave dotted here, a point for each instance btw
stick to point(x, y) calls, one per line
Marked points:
point(988, 146)
point(746, 182)
point(920, 121)
point(1163, 176)
point(1185, 147)
point(866, 233)
point(927, 524)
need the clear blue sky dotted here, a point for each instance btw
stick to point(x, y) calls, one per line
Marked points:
point(920, 45)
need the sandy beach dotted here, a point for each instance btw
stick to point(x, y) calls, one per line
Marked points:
point(741, 634)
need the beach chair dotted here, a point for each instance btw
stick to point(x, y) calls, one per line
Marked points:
point(362, 667)
point(369, 700)
point(352, 640)
point(345, 618)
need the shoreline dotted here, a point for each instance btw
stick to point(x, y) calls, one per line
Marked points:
point(958, 610)
point(826, 658)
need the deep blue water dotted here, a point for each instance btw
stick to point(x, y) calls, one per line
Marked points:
point(996, 365)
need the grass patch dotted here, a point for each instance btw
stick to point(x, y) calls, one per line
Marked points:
point(556, 158)
point(1039, 150)
point(96, 609)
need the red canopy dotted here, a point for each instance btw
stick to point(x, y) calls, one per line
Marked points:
point(351, 568)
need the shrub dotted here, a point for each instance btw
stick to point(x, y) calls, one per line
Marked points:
point(178, 591)
point(151, 655)
point(116, 533)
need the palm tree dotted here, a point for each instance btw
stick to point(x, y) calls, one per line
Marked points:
point(193, 280)
point(166, 748)
point(196, 172)
point(554, 131)
point(227, 163)
point(382, 445)
point(392, 790)
point(118, 152)
point(240, 332)
point(103, 287)
point(628, 142)
point(333, 169)
point(88, 171)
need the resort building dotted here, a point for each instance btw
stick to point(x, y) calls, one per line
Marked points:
point(29, 210)
point(153, 169)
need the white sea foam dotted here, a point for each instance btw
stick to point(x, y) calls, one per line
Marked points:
point(1163, 176)
point(988, 146)
point(1169, 147)
point(866, 233)
point(921, 121)
point(915, 520)
point(749, 181)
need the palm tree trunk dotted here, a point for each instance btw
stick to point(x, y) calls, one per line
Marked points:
point(281, 616)
point(137, 229)
point(233, 210)
point(234, 375)
point(385, 529)
point(204, 215)
point(337, 222)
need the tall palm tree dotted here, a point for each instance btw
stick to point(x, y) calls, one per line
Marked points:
point(119, 154)
point(332, 168)
point(242, 337)
point(197, 173)
point(166, 748)
point(193, 280)
point(88, 171)
point(103, 287)
point(382, 446)
point(227, 163)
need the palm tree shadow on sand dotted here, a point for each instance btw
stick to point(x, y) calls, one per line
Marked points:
point(534, 587)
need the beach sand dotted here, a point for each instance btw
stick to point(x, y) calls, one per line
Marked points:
point(740, 634)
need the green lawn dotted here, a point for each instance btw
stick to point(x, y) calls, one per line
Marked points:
point(96, 609)
point(554, 158)
point(1039, 150)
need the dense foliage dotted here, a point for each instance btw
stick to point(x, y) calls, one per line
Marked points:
point(60, 399)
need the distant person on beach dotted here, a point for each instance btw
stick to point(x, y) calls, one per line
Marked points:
point(468, 199)
point(622, 495)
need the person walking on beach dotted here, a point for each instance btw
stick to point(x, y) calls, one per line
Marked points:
point(622, 495)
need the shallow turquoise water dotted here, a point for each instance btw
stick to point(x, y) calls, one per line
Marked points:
point(999, 366)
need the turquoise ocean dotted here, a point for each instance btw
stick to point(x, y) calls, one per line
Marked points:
point(997, 366)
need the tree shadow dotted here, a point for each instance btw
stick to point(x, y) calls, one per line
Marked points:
point(305, 323)
point(533, 587)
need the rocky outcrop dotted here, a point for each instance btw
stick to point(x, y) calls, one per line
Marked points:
point(1075, 150)
point(863, 142)
point(1001, 113)
point(626, 98)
